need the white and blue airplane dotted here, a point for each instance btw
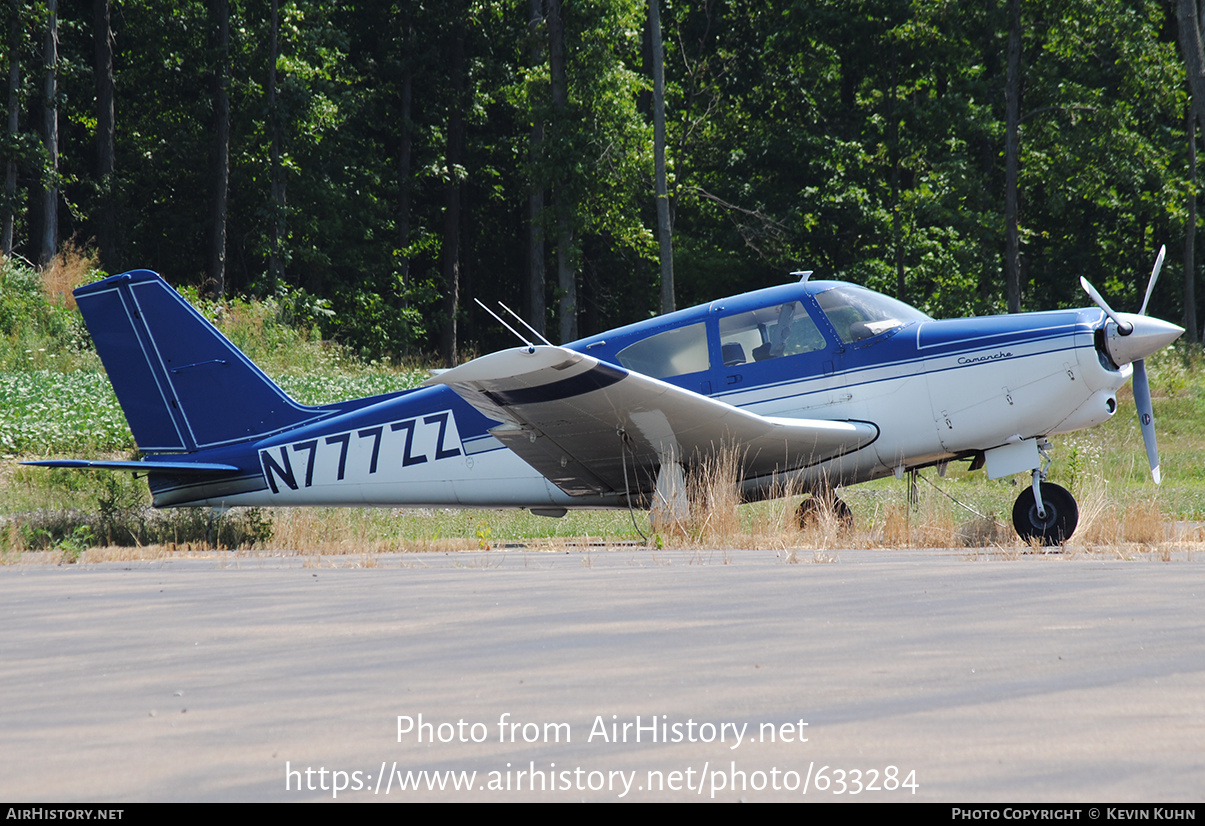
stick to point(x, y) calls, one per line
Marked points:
point(818, 384)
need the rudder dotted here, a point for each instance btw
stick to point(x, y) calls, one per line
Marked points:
point(181, 384)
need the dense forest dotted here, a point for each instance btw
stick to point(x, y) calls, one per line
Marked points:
point(592, 162)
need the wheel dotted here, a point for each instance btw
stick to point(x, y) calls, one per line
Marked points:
point(810, 509)
point(1062, 515)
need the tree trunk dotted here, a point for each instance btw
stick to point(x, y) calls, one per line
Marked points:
point(536, 273)
point(220, 159)
point(14, 111)
point(102, 42)
point(50, 136)
point(1194, 62)
point(664, 229)
point(450, 252)
point(1190, 230)
point(1194, 59)
point(403, 171)
point(897, 217)
point(276, 267)
point(566, 275)
point(1012, 149)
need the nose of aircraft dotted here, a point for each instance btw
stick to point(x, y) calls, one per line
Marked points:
point(1148, 336)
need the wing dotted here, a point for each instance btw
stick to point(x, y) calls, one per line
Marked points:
point(584, 424)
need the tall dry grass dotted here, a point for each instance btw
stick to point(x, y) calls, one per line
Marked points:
point(1144, 523)
point(1103, 522)
point(71, 267)
point(715, 521)
point(713, 495)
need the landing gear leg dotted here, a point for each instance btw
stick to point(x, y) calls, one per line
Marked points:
point(1045, 512)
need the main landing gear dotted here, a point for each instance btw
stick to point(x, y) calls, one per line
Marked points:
point(1045, 512)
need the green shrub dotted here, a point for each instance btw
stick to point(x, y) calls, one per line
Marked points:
point(73, 531)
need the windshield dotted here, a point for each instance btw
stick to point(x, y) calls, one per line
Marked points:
point(857, 313)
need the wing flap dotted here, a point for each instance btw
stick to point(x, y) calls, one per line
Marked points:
point(585, 425)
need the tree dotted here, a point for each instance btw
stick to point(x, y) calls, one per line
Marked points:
point(276, 267)
point(405, 157)
point(429, 152)
point(50, 136)
point(454, 159)
point(1012, 254)
point(536, 276)
point(106, 146)
point(14, 112)
point(1194, 58)
point(566, 272)
point(1188, 18)
point(219, 21)
point(664, 231)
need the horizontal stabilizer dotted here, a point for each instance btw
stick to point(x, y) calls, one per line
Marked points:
point(590, 427)
point(177, 468)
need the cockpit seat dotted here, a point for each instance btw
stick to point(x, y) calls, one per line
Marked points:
point(732, 354)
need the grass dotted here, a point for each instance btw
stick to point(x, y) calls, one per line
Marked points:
point(56, 400)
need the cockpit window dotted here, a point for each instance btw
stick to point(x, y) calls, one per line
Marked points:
point(767, 333)
point(857, 313)
point(671, 353)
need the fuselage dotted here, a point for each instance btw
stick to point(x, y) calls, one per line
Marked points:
point(936, 390)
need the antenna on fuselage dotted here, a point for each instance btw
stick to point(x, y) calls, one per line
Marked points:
point(803, 275)
point(533, 330)
point(531, 347)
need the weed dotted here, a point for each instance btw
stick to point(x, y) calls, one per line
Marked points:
point(897, 528)
point(713, 491)
point(72, 548)
point(120, 504)
point(1098, 523)
point(69, 269)
point(181, 528)
point(1143, 522)
point(980, 532)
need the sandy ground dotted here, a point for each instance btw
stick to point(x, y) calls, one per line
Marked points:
point(913, 675)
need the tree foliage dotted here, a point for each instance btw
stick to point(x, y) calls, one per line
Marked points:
point(861, 139)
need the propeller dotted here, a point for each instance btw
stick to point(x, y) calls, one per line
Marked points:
point(1135, 337)
point(1142, 387)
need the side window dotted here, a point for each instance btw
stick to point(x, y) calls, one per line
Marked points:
point(767, 333)
point(671, 353)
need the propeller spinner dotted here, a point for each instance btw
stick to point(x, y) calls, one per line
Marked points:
point(1131, 339)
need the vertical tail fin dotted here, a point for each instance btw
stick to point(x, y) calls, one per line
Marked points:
point(182, 385)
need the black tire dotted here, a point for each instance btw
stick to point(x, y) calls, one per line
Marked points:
point(809, 510)
point(1062, 515)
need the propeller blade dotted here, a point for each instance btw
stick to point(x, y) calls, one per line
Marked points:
point(1150, 285)
point(1124, 327)
point(1146, 417)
